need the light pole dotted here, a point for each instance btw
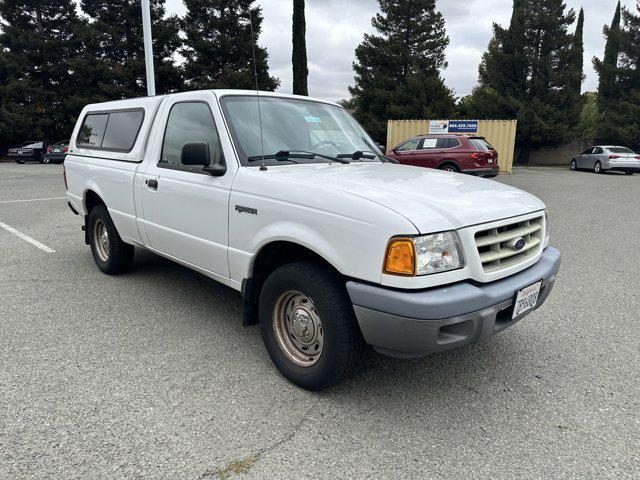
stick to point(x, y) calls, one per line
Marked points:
point(148, 48)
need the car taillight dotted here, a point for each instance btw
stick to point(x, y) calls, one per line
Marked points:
point(638, 157)
point(64, 175)
point(613, 157)
point(65, 149)
point(477, 156)
point(49, 150)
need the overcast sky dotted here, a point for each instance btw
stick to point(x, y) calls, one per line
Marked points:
point(335, 28)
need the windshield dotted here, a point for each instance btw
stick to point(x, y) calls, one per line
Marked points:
point(480, 144)
point(620, 150)
point(32, 145)
point(294, 125)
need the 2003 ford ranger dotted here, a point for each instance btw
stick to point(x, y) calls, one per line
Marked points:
point(288, 200)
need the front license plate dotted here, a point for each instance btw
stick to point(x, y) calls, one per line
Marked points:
point(526, 299)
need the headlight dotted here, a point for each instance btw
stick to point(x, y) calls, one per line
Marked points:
point(424, 255)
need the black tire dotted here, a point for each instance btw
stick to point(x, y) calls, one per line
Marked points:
point(45, 160)
point(597, 168)
point(119, 256)
point(628, 173)
point(329, 299)
point(20, 161)
point(573, 166)
point(449, 167)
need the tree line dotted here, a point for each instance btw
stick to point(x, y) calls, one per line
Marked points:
point(55, 59)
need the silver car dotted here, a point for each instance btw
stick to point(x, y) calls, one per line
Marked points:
point(602, 158)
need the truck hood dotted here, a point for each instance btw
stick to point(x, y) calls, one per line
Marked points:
point(431, 199)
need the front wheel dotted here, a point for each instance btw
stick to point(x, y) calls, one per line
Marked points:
point(111, 254)
point(308, 325)
point(598, 167)
point(573, 165)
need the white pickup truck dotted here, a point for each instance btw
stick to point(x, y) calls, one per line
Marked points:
point(288, 200)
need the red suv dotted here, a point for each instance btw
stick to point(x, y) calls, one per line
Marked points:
point(453, 153)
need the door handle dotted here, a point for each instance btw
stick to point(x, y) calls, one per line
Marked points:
point(152, 183)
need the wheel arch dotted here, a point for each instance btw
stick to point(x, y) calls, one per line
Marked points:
point(271, 256)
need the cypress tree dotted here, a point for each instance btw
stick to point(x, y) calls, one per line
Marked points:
point(607, 68)
point(397, 71)
point(299, 54)
point(218, 45)
point(38, 45)
point(620, 121)
point(529, 72)
point(576, 60)
point(113, 40)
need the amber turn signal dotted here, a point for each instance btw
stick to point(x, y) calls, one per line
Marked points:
point(401, 258)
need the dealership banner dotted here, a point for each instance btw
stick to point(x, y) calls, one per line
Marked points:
point(453, 126)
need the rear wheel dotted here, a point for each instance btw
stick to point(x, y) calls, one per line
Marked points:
point(598, 167)
point(308, 325)
point(449, 167)
point(20, 161)
point(573, 165)
point(111, 254)
point(628, 173)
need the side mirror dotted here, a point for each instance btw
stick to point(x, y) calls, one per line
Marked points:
point(382, 148)
point(197, 153)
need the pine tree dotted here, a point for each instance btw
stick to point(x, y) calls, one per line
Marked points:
point(398, 70)
point(114, 66)
point(619, 120)
point(38, 44)
point(299, 54)
point(530, 73)
point(608, 91)
point(218, 47)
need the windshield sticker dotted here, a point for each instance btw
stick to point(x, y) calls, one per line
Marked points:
point(310, 119)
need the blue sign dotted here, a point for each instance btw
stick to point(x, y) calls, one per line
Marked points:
point(463, 126)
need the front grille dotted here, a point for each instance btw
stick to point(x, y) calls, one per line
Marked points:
point(495, 249)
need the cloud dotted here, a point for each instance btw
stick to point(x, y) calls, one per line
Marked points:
point(336, 27)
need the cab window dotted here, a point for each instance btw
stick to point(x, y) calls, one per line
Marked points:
point(189, 122)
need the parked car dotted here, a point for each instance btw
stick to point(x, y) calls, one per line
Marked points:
point(57, 152)
point(329, 244)
point(33, 151)
point(452, 153)
point(603, 158)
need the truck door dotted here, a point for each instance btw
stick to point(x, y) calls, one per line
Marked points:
point(184, 209)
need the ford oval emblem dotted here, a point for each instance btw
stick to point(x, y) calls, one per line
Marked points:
point(518, 243)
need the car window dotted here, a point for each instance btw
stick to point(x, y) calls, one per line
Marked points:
point(620, 150)
point(122, 130)
point(480, 144)
point(409, 145)
point(189, 122)
point(33, 145)
point(597, 151)
point(588, 151)
point(448, 143)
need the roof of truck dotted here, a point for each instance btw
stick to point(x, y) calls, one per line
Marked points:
point(152, 101)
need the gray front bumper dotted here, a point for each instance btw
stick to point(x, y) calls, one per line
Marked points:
point(413, 324)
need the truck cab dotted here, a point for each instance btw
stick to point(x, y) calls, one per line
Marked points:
point(289, 201)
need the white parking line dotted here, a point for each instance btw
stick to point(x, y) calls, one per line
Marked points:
point(33, 200)
point(27, 238)
point(533, 171)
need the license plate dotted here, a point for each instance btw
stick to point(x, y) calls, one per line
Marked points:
point(56, 150)
point(526, 299)
point(490, 161)
point(20, 152)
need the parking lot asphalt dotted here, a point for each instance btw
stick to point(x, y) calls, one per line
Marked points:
point(151, 375)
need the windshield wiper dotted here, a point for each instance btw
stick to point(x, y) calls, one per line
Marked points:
point(284, 155)
point(358, 155)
